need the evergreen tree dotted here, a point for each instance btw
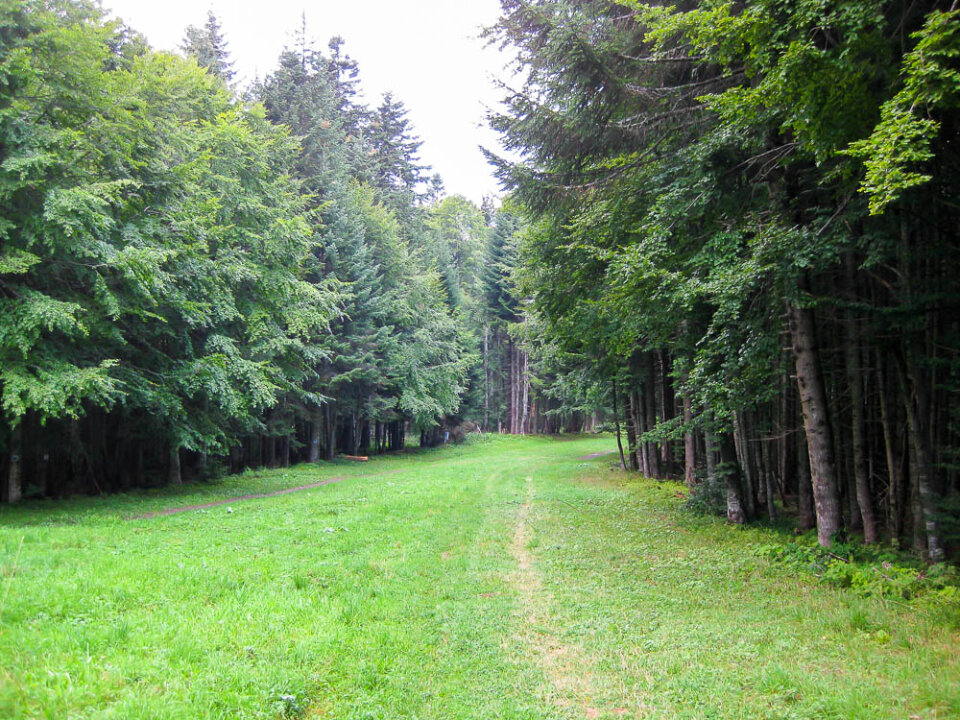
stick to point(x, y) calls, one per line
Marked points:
point(207, 45)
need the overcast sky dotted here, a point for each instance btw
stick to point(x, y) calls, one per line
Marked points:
point(427, 52)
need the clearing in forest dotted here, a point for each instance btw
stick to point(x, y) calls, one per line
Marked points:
point(509, 578)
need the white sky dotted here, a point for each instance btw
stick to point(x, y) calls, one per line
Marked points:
point(427, 52)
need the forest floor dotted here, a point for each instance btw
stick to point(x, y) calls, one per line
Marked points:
point(507, 578)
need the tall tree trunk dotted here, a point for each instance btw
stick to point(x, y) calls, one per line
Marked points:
point(788, 445)
point(525, 399)
point(914, 394)
point(486, 378)
point(663, 394)
point(631, 432)
point(43, 473)
point(616, 422)
point(895, 479)
point(173, 469)
point(808, 517)
point(729, 469)
point(351, 441)
point(916, 514)
point(316, 423)
point(15, 471)
point(512, 424)
point(689, 444)
point(710, 453)
point(331, 423)
point(816, 422)
point(742, 449)
point(768, 481)
point(660, 371)
point(640, 425)
point(650, 403)
point(858, 446)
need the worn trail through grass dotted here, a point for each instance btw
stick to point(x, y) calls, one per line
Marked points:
point(522, 578)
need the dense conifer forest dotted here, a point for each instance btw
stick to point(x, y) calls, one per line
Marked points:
point(730, 237)
point(744, 224)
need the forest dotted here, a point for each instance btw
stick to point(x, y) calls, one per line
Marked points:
point(667, 427)
point(196, 279)
point(730, 236)
point(744, 224)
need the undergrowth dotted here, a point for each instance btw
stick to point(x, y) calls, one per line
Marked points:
point(872, 571)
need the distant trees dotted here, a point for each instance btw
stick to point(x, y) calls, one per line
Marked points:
point(743, 217)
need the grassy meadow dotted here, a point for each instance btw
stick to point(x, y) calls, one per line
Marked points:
point(507, 578)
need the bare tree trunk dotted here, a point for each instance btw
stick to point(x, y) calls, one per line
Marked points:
point(631, 433)
point(710, 450)
point(650, 402)
point(525, 400)
point(788, 445)
point(660, 368)
point(616, 422)
point(858, 447)
point(730, 470)
point(768, 481)
point(919, 535)
point(689, 444)
point(895, 480)
point(516, 390)
point(43, 473)
point(486, 378)
point(512, 429)
point(639, 428)
point(743, 454)
point(808, 518)
point(816, 421)
point(916, 404)
point(331, 425)
point(173, 476)
point(355, 421)
point(316, 423)
point(15, 472)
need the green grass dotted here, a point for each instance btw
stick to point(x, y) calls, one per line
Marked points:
point(444, 584)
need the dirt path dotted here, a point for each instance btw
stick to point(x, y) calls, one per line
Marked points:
point(591, 456)
point(257, 496)
point(564, 665)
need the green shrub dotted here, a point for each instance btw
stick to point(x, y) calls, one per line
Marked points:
point(707, 497)
point(870, 571)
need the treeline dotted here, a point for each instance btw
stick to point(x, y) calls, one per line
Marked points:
point(745, 235)
point(197, 278)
